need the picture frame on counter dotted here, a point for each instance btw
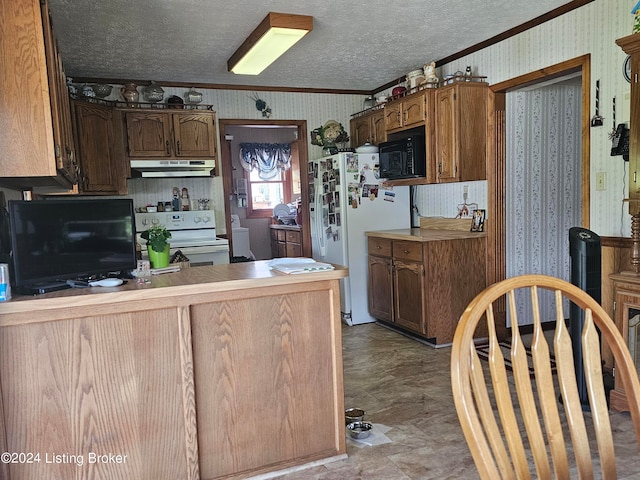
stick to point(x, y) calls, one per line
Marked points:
point(477, 223)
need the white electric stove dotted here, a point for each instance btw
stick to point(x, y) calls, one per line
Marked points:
point(192, 232)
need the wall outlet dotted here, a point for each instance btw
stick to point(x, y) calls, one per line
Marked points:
point(601, 179)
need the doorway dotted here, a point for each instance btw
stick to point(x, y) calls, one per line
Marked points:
point(497, 173)
point(232, 132)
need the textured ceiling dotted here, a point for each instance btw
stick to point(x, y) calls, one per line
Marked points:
point(354, 45)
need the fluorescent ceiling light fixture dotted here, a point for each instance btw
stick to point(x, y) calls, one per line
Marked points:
point(276, 34)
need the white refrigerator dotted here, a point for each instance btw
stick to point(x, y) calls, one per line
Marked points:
point(346, 200)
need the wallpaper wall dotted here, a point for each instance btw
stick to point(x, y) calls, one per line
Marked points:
point(543, 183)
point(543, 176)
point(591, 29)
point(316, 109)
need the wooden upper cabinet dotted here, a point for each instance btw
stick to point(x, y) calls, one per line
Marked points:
point(195, 135)
point(446, 136)
point(377, 127)
point(360, 128)
point(368, 128)
point(461, 132)
point(102, 168)
point(149, 134)
point(407, 112)
point(35, 103)
point(165, 134)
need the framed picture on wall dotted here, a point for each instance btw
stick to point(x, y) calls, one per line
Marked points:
point(477, 222)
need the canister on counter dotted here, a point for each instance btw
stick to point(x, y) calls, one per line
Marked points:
point(5, 283)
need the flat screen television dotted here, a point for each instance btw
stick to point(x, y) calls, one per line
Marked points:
point(57, 240)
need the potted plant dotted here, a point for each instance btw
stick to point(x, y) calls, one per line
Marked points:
point(157, 245)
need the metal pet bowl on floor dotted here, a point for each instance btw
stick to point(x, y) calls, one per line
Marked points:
point(359, 430)
point(354, 415)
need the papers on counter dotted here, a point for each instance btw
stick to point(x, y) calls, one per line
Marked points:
point(298, 265)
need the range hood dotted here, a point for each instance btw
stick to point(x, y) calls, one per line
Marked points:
point(172, 168)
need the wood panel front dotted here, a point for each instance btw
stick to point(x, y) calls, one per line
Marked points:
point(263, 372)
point(456, 272)
point(96, 386)
point(149, 134)
point(194, 135)
point(380, 284)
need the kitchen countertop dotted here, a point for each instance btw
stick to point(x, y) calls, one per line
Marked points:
point(424, 235)
point(193, 280)
point(277, 226)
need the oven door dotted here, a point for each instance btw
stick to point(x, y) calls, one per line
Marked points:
point(207, 255)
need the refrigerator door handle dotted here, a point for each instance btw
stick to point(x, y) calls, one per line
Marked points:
point(321, 239)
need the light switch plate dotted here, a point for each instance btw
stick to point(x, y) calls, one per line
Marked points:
point(601, 181)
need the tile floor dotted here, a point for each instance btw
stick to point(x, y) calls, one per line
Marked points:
point(404, 384)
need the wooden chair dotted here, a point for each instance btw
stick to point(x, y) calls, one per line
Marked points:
point(500, 447)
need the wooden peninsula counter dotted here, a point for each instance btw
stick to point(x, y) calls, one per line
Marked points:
point(225, 371)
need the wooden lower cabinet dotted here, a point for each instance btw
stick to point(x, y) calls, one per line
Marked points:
point(286, 241)
point(381, 288)
point(409, 285)
point(424, 286)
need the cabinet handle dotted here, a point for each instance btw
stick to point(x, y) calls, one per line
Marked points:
point(178, 145)
point(378, 247)
point(406, 251)
point(167, 145)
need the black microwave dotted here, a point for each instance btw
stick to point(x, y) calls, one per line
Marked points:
point(403, 158)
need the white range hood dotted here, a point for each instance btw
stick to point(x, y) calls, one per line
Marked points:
point(173, 168)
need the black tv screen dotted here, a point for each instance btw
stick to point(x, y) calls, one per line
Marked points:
point(56, 240)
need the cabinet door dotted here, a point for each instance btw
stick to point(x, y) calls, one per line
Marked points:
point(409, 287)
point(380, 288)
point(446, 135)
point(393, 115)
point(413, 110)
point(194, 135)
point(293, 250)
point(100, 167)
point(360, 130)
point(378, 132)
point(149, 134)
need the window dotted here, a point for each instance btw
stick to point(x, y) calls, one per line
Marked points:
point(266, 194)
point(267, 169)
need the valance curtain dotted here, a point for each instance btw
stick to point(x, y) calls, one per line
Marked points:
point(268, 158)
